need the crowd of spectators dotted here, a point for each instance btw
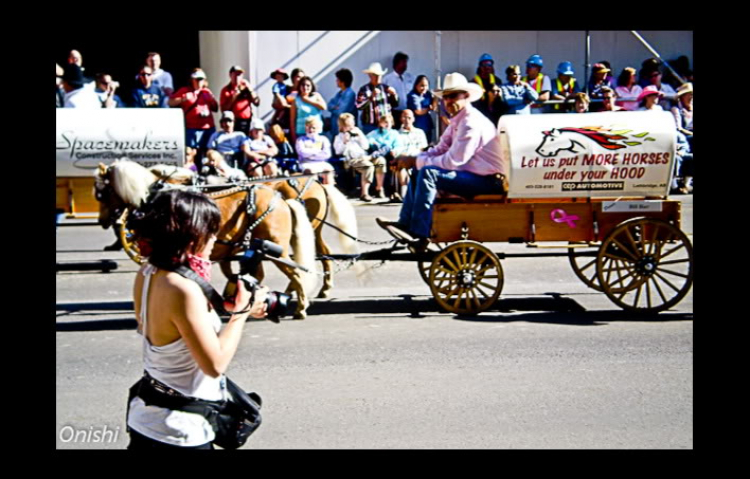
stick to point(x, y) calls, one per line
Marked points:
point(359, 131)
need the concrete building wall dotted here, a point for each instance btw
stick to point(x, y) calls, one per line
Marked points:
point(321, 53)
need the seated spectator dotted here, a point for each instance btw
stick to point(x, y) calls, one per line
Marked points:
point(489, 103)
point(564, 87)
point(582, 102)
point(649, 99)
point(146, 94)
point(343, 101)
point(260, 151)
point(682, 181)
point(214, 164)
point(383, 141)
point(59, 92)
point(648, 68)
point(668, 94)
point(279, 91)
point(538, 81)
point(105, 90)
point(598, 81)
point(238, 97)
point(609, 97)
point(683, 112)
point(375, 99)
point(286, 158)
point(352, 145)
point(422, 102)
point(77, 93)
point(75, 58)
point(516, 94)
point(314, 151)
point(197, 102)
point(628, 89)
point(307, 103)
point(412, 142)
point(229, 142)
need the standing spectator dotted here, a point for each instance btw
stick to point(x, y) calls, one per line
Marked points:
point(352, 145)
point(197, 102)
point(628, 89)
point(105, 90)
point(598, 81)
point(412, 142)
point(668, 93)
point(75, 58)
point(307, 103)
point(314, 151)
point(343, 101)
point(648, 67)
point(383, 141)
point(538, 81)
point(609, 98)
point(160, 78)
point(78, 94)
point(146, 93)
point(260, 151)
point(489, 104)
point(279, 91)
point(286, 158)
point(374, 99)
point(421, 102)
point(228, 141)
point(238, 97)
point(683, 112)
point(517, 95)
point(649, 99)
point(565, 86)
point(582, 102)
point(59, 92)
point(401, 81)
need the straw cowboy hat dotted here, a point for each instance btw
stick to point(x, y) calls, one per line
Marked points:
point(686, 88)
point(650, 90)
point(455, 82)
point(375, 69)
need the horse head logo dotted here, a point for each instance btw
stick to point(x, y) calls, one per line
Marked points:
point(559, 139)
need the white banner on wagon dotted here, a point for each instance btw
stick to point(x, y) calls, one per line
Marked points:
point(607, 154)
point(149, 136)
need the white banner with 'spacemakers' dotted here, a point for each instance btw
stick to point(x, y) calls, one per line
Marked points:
point(608, 154)
point(149, 136)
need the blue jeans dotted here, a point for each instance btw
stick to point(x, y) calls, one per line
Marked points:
point(416, 212)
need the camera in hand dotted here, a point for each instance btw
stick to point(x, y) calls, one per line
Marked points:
point(277, 304)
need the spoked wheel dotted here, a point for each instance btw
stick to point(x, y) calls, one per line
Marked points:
point(583, 262)
point(466, 278)
point(645, 265)
point(424, 267)
point(126, 238)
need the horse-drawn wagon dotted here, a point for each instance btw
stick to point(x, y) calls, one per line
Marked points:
point(597, 185)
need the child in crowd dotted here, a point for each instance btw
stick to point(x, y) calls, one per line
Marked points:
point(286, 158)
point(383, 141)
point(260, 151)
point(314, 149)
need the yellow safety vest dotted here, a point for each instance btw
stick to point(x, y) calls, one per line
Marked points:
point(560, 90)
point(478, 80)
point(537, 87)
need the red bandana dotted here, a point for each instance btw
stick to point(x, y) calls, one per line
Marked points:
point(201, 266)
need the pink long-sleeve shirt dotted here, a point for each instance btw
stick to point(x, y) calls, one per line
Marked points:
point(471, 143)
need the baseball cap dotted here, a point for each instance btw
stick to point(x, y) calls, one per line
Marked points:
point(236, 68)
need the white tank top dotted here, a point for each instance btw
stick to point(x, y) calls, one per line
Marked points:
point(175, 366)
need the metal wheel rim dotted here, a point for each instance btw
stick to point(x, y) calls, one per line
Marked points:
point(645, 265)
point(466, 278)
point(126, 238)
point(424, 266)
point(585, 268)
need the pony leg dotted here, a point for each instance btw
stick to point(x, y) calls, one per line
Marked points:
point(323, 250)
point(296, 285)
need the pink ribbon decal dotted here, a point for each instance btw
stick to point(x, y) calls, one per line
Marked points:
point(564, 218)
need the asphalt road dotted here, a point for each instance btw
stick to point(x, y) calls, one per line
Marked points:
point(379, 366)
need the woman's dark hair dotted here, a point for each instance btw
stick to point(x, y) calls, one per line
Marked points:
point(304, 79)
point(625, 76)
point(346, 77)
point(176, 223)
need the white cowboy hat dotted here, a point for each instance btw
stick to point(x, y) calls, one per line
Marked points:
point(456, 82)
point(375, 69)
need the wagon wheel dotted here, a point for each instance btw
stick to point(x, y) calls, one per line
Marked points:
point(584, 266)
point(424, 266)
point(126, 238)
point(466, 278)
point(645, 265)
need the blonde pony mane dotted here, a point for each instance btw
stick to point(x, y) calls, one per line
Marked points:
point(131, 181)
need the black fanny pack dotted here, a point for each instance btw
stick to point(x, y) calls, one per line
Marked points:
point(233, 420)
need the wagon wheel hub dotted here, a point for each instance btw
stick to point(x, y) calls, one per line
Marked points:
point(467, 279)
point(646, 266)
